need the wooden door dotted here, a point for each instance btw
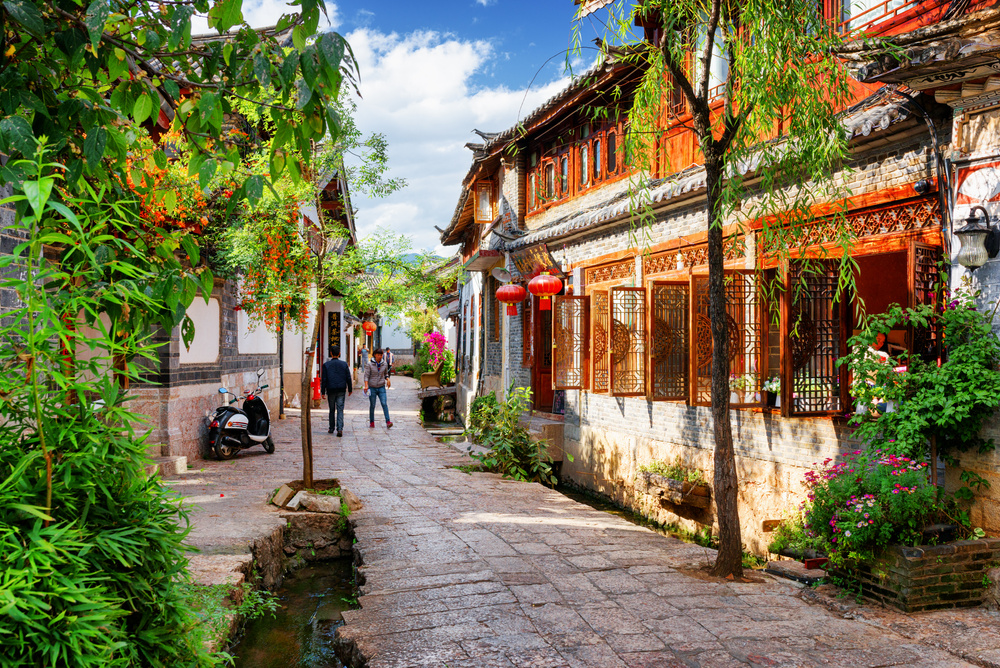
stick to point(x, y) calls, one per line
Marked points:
point(542, 382)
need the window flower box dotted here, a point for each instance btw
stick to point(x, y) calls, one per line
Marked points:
point(696, 494)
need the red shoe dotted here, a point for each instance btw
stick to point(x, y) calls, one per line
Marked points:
point(371, 426)
point(388, 425)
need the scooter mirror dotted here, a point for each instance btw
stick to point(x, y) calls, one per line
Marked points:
point(260, 371)
point(223, 390)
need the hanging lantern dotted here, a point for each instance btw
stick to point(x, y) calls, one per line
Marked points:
point(510, 294)
point(544, 286)
point(369, 327)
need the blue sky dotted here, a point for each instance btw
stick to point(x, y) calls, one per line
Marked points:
point(431, 72)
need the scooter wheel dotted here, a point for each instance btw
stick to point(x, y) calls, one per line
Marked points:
point(224, 450)
point(269, 445)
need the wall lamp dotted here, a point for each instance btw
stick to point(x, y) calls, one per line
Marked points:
point(980, 239)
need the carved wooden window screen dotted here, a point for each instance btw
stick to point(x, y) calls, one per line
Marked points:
point(628, 342)
point(527, 334)
point(924, 275)
point(599, 326)
point(814, 340)
point(668, 341)
point(570, 342)
point(746, 337)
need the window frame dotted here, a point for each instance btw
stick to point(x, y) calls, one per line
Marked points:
point(577, 319)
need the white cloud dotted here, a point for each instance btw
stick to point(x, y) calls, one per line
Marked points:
point(264, 13)
point(417, 89)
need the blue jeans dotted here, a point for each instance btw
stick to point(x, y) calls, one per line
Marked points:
point(336, 399)
point(379, 392)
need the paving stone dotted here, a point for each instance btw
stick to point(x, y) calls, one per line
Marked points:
point(476, 571)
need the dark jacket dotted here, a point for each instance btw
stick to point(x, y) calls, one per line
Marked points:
point(336, 377)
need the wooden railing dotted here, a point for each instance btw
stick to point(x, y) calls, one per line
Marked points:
point(864, 21)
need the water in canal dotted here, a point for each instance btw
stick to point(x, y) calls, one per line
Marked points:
point(300, 635)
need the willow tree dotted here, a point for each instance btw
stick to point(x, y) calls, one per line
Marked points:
point(762, 89)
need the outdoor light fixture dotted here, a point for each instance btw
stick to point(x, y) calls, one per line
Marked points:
point(980, 240)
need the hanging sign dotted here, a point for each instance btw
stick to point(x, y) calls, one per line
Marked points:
point(533, 260)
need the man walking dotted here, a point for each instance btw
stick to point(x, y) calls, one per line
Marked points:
point(336, 380)
point(389, 357)
point(376, 380)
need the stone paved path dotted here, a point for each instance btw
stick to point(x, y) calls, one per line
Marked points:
point(471, 570)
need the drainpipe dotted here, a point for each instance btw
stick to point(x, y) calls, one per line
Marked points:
point(941, 167)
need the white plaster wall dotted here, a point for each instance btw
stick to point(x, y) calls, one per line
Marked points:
point(252, 340)
point(85, 353)
point(295, 344)
point(394, 335)
point(207, 323)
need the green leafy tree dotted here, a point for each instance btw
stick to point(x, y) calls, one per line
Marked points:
point(779, 58)
point(93, 547)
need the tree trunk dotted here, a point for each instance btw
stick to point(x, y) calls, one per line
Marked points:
point(730, 556)
point(306, 423)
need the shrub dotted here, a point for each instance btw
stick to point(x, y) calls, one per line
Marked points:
point(483, 415)
point(948, 402)
point(512, 452)
point(422, 362)
point(448, 370)
point(93, 549)
point(674, 470)
point(869, 501)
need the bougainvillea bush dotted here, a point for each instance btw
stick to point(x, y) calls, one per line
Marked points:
point(868, 501)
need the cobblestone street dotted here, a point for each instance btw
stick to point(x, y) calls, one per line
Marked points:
point(473, 570)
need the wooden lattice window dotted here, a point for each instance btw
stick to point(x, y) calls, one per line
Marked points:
point(527, 334)
point(600, 321)
point(628, 342)
point(815, 338)
point(745, 337)
point(925, 342)
point(570, 344)
point(668, 341)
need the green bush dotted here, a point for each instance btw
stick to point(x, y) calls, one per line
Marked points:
point(448, 370)
point(870, 500)
point(674, 470)
point(512, 452)
point(422, 364)
point(93, 549)
point(483, 415)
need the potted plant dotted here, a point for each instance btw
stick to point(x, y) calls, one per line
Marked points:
point(739, 386)
point(772, 391)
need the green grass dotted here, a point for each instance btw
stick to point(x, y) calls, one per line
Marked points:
point(469, 468)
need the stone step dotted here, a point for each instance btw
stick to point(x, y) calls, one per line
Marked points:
point(157, 450)
point(167, 467)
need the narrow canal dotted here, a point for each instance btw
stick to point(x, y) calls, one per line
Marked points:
point(301, 632)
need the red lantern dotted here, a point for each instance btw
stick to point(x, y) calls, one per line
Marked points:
point(544, 286)
point(511, 294)
point(369, 327)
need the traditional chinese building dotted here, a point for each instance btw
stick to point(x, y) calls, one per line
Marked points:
point(625, 354)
